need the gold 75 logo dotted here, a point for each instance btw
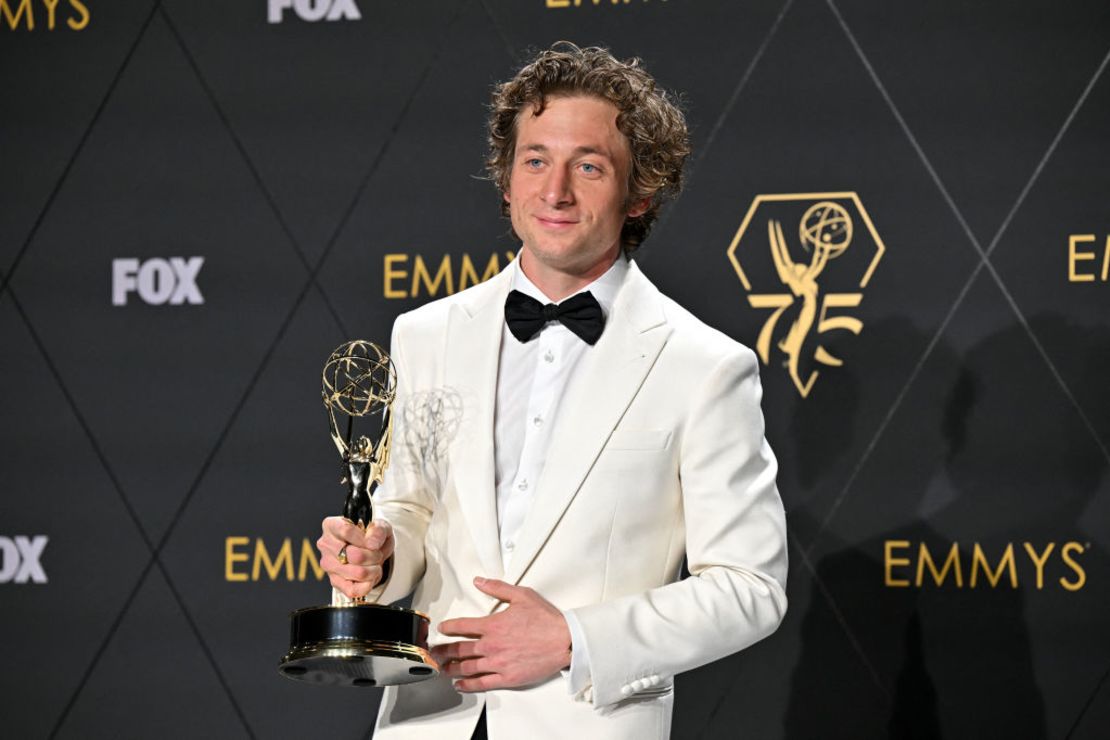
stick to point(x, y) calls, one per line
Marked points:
point(822, 259)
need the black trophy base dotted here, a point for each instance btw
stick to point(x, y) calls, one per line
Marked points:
point(363, 645)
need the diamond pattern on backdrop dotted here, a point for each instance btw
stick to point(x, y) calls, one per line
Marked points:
point(60, 489)
point(795, 128)
point(56, 83)
point(1032, 256)
point(427, 197)
point(154, 661)
point(728, 38)
point(275, 476)
point(984, 88)
point(312, 103)
point(207, 126)
point(954, 467)
point(159, 159)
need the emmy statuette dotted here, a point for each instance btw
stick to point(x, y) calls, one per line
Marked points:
point(350, 642)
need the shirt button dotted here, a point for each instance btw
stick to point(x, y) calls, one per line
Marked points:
point(548, 356)
point(510, 545)
point(523, 485)
point(537, 421)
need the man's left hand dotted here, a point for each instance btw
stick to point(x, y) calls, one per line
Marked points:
point(519, 646)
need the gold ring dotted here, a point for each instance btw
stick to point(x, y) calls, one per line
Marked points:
point(342, 555)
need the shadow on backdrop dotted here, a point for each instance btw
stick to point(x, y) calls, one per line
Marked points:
point(974, 456)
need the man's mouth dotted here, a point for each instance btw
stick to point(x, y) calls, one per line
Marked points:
point(556, 222)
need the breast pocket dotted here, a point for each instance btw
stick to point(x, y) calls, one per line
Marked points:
point(636, 461)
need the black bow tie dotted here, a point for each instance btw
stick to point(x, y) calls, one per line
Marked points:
point(580, 313)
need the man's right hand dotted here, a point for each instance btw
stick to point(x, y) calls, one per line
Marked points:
point(365, 551)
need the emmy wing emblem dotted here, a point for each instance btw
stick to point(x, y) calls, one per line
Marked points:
point(350, 642)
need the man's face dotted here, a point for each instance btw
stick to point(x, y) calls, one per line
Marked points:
point(568, 185)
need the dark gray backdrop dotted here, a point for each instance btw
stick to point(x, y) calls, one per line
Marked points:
point(166, 451)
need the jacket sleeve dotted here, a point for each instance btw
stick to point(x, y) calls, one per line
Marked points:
point(405, 499)
point(735, 549)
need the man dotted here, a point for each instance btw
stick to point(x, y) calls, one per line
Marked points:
point(550, 475)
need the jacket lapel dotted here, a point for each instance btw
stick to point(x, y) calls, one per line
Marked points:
point(472, 352)
point(605, 383)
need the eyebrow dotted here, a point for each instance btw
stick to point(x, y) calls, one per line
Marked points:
point(577, 150)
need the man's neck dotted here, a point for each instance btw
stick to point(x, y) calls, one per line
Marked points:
point(558, 284)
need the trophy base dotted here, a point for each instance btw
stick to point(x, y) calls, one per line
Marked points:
point(363, 645)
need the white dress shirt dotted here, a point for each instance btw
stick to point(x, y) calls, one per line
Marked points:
point(532, 379)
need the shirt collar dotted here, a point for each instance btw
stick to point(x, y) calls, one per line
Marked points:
point(604, 289)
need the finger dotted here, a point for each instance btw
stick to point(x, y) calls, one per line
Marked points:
point(499, 589)
point(326, 547)
point(369, 574)
point(360, 590)
point(456, 651)
point(329, 544)
point(473, 667)
point(343, 585)
point(464, 626)
point(385, 549)
point(330, 560)
point(343, 530)
point(330, 563)
point(480, 683)
point(350, 589)
point(355, 552)
point(379, 534)
point(362, 556)
point(388, 547)
point(466, 668)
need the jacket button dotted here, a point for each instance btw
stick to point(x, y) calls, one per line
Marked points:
point(626, 690)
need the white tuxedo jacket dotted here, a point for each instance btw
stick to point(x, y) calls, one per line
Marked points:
point(658, 453)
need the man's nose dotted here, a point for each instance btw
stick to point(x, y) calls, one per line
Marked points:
point(557, 187)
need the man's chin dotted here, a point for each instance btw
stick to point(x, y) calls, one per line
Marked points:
point(568, 259)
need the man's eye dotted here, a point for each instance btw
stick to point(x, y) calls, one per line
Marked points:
point(533, 162)
point(589, 169)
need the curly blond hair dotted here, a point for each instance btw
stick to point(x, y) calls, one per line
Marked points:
point(649, 119)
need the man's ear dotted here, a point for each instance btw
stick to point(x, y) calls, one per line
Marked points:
point(638, 207)
point(505, 195)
